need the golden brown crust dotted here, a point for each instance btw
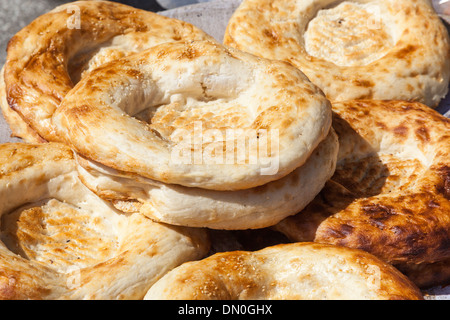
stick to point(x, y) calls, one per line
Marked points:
point(351, 49)
point(47, 57)
point(286, 271)
point(390, 192)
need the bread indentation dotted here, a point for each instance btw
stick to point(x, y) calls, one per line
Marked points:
point(58, 234)
point(349, 34)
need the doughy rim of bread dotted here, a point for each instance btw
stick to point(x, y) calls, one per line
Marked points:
point(389, 223)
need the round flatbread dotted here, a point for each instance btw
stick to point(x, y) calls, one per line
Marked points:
point(196, 114)
point(376, 49)
point(46, 58)
point(60, 241)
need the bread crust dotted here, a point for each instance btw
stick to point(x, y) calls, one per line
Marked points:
point(46, 58)
point(283, 272)
point(60, 241)
point(389, 195)
point(351, 50)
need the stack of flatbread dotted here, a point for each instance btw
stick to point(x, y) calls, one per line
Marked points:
point(152, 152)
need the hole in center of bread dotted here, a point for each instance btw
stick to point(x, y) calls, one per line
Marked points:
point(349, 34)
point(58, 234)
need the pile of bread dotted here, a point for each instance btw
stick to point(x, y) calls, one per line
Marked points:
point(299, 159)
